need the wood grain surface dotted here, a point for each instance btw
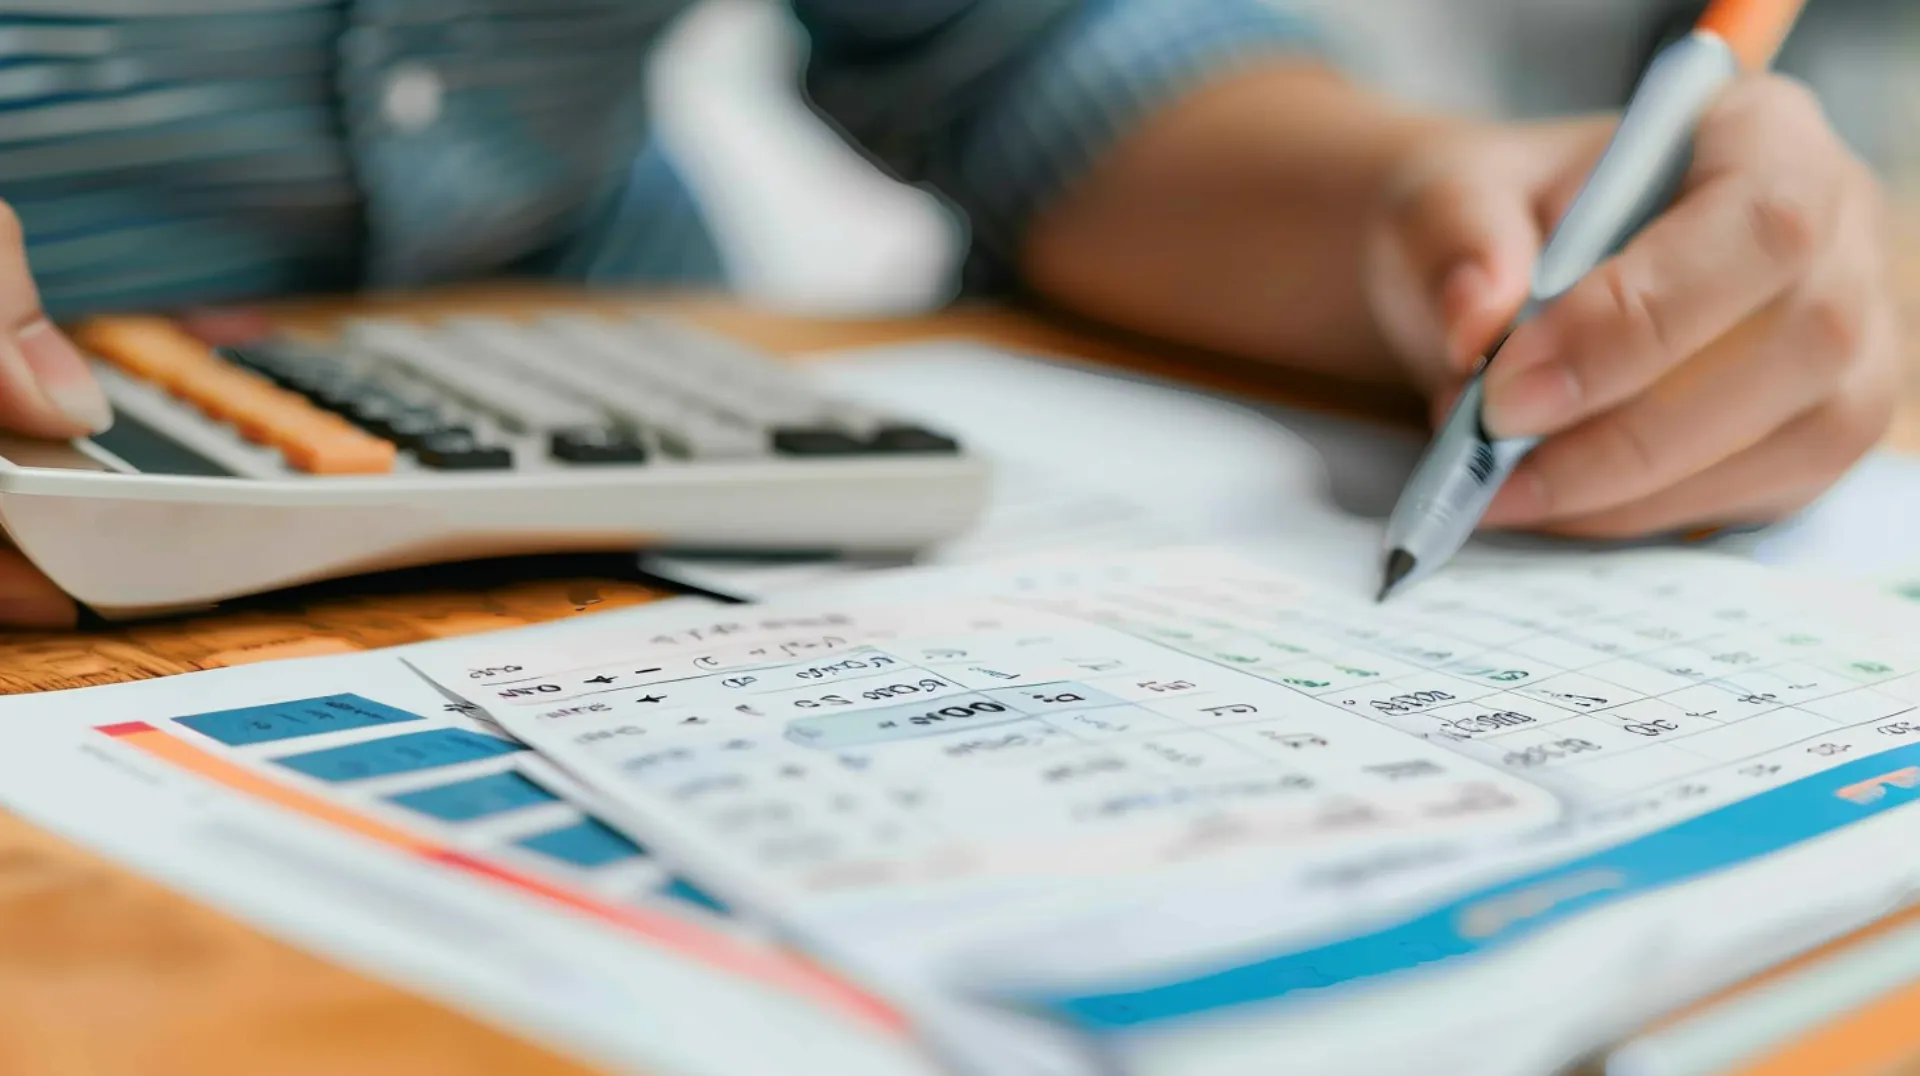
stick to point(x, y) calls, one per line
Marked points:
point(103, 972)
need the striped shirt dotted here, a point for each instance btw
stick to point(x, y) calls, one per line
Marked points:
point(170, 152)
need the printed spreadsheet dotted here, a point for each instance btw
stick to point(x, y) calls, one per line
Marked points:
point(1124, 717)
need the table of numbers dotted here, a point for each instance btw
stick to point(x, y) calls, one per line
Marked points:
point(1172, 715)
point(1599, 683)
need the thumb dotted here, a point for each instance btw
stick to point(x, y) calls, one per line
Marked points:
point(1453, 263)
point(46, 387)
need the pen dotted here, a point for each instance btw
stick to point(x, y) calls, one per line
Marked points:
point(1637, 175)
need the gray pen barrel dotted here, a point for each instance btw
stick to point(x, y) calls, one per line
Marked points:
point(1640, 172)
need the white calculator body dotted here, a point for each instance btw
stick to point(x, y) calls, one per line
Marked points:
point(238, 470)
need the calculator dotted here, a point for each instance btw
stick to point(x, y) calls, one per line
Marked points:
point(248, 466)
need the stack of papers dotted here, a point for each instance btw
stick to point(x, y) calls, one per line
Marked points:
point(1205, 816)
point(1174, 812)
point(1078, 802)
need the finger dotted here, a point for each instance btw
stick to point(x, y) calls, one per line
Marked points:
point(1736, 505)
point(46, 389)
point(1454, 253)
point(1722, 254)
point(1782, 471)
point(1734, 394)
point(1465, 247)
point(29, 599)
point(1763, 484)
point(1756, 214)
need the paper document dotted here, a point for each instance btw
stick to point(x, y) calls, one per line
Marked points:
point(348, 805)
point(1119, 793)
point(1171, 812)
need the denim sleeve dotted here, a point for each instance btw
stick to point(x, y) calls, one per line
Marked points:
point(1001, 104)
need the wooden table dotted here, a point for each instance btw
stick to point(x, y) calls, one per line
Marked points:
point(103, 972)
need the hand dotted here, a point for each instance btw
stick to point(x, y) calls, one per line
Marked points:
point(46, 390)
point(1726, 367)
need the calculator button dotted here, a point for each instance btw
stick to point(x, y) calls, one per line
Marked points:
point(473, 369)
point(815, 441)
point(309, 439)
point(459, 450)
point(596, 444)
point(374, 411)
point(707, 437)
point(648, 381)
point(414, 425)
point(328, 451)
point(148, 348)
point(912, 439)
point(309, 378)
point(592, 358)
point(222, 392)
point(339, 394)
point(269, 362)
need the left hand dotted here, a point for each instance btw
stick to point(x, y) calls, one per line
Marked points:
point(1726, 367)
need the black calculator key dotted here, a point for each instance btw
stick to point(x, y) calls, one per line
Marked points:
point(912, 439)
point(274, 364)
point(815, 441)
point(314, 379)
point(415, 424)
point(458, 450)
point(259, 360)
point(374, 411)
point(338, 393)
point(596, 444)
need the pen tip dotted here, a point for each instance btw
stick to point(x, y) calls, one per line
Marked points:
point(1399, 565)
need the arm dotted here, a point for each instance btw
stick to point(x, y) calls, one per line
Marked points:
point(1235, 220)
point(1189, 171)
point(1184, 170)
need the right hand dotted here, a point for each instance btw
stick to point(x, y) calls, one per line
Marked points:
point(46, 390)
point(1726, 367)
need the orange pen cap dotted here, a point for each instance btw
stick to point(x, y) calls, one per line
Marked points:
point(1753, 29)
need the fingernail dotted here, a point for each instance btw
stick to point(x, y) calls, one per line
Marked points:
point(1521, 501)
point(63, 375)
point(1530, 402)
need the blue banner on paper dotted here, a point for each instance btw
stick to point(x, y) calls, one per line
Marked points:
point(1768, 822)
point(293, 719)
point(389, 755)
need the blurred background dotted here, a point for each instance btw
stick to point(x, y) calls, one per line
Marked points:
point(806, 225)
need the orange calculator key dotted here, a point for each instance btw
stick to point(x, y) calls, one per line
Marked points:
point(309, 439)
point(221, 392)
point(318, 451)
point(263, 419)
point(148, 348)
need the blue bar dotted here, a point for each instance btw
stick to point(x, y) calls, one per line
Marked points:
point(683, 890)
point(397, 754)
point(1727, 837)
point(481, 797)
point(587, 843)
point(293, 719)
